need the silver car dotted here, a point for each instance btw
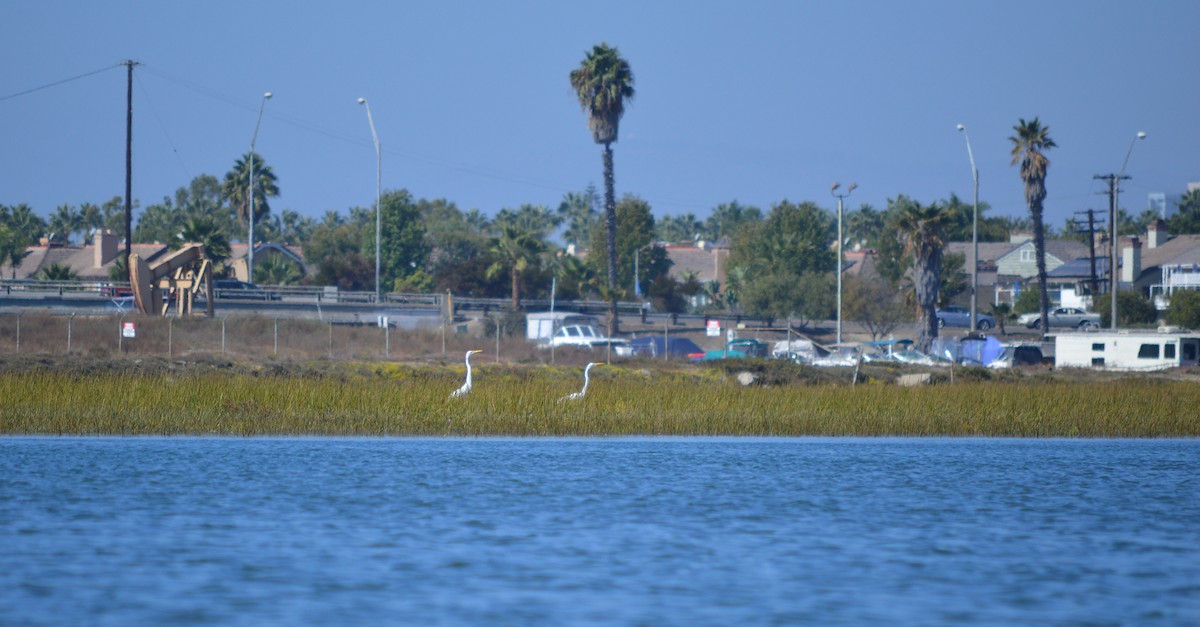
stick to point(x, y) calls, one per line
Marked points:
point(955, 316)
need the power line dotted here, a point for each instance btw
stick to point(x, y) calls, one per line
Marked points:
point(56, 83)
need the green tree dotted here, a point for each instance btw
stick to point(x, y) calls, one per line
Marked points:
point(726, 219)
point(237, 180)
point(679, 229)
point(92, 217)
point(58, 272)
point(12, 248)
point(962, 219)
point(1030, 143)
point(274, 268)
point(65, 221)
point(953, 279)
point(1184, 310)
point(536, 219)
point(872, 303)
point(863, 227)
point(515, 251)
point(603, 82)
point(25, 224)
point(403, 249)
point(785, 263)
point(204, 230)
point(578, 212)
point(1187, 214)
point(923, 230)
point(635, 236)
point(575, 277)
point(114, 215)
point(335, 254)
point(1132, 309)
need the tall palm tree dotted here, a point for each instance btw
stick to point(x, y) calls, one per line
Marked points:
point(204, 230)
point(12, 248)
point(265, 186)
point(1030, 142)
point(64, 221)
point(515, 250)
point(923, 231)
point(603, 82)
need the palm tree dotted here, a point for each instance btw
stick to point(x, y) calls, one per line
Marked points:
point(276, 269)
point(204, 230)
point(603, 81)
point(58, 272)
point(515, 250)
point(265, 186)
point(1029, 143)
point(12, 248)
point(65, 221)
point(27, 225)
point(923, 231)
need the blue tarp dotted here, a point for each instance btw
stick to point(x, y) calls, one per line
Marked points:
point(969, 350)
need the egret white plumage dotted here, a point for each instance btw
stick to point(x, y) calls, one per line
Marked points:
point(586, 377)
point(466, 387)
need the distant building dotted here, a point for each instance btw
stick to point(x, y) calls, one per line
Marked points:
point(1157, 202)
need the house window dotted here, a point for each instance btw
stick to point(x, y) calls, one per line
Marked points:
point(1098, 346)
point(1189, 351)
point(1169, 351)
point(1027, 255)
point(1148, 351)
point(1097, 361)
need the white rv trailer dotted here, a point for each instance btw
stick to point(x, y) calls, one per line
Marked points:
point(1127, 350)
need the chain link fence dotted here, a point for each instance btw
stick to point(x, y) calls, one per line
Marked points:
point(264, 338)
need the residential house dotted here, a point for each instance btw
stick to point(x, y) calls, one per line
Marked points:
point(91, 262)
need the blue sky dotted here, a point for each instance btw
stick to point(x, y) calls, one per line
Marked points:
point(753, 101)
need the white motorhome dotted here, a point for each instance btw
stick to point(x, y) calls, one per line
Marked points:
point(1127, 350)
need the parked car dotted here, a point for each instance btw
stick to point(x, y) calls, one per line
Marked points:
point(655, 345)
point(738, 349)
point(1062, 317)
point(955, 316)
point(588, 336)
point(232, 288)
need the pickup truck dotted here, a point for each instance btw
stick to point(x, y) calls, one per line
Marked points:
point(1069, 317)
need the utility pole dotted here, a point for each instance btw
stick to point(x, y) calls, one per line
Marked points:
point(1113, 181)
point(1091, 233)
point(129, 163)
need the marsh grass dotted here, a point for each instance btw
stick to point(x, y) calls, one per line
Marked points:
point(383, 398)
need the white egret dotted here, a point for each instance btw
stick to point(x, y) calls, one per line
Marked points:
point(462, 391)
point(586, 377)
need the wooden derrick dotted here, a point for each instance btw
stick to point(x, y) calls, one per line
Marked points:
point(179, 276)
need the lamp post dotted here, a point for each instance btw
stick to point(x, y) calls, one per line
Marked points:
point(1112, 229)
point(250, 191)
point(378, 190)
point(637, 275)
point(974, 231)
point(840, 264)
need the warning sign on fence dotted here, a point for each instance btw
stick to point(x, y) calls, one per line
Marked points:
point(128, 330)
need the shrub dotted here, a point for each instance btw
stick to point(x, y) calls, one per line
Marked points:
point(1028, 300)
point(1185, 309)
point(1132, 309)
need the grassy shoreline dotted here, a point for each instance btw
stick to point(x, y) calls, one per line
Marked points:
point(390, 399)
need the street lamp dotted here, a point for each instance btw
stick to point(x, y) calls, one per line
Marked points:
point(974, 230)
point(1112, 229)
point(250, 191)
point(378, 188)
point(840, 264)
point(637, 275)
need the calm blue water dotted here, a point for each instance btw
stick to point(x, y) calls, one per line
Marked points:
point(645, 531)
